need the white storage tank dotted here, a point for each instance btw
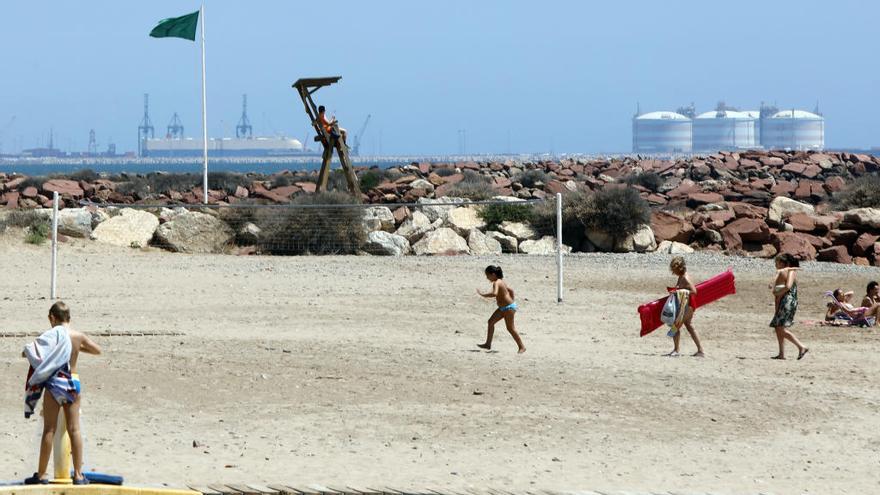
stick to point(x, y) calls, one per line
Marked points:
point(794, 130)
point(662, 132)
point(724, 130)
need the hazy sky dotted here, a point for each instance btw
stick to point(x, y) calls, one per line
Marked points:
point(518, 76)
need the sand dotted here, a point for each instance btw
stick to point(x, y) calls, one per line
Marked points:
point(363, 371)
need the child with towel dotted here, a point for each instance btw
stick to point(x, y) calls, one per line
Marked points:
point(678, 267)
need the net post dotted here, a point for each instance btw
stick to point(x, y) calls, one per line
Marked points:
point(53, 283)
point(558, 247)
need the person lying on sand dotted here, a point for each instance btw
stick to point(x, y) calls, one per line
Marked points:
point(53, 357)
point(506, 307)
point(678, 267)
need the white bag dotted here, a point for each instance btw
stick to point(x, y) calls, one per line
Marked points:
point(670, 310)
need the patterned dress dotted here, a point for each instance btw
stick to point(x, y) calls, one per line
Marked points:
point(784, 316)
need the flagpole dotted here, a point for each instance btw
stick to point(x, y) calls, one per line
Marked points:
point(204, 113)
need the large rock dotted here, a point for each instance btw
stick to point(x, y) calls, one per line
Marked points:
point(75, 222)
point(482, 244)
point(441, 241)
point(669, 227)
point(544, 245)
point(378, 218)
point(672, 247)
point(463, 220)
point(864, 245)
point(194, 232)
point(68, 188)
point(131, 228)
point(509, 244)
point(435, 209)
point(521, 231)
point(414, 227)
point(782, 207)
point(744, 229)
point(385, 244)
point(795, 244)
point(866, 217)
point(835, 254)
point(643, 240)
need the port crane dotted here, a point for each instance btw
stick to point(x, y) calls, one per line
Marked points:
point(244, 129)
point(145, 130)
point(175, 128)
point(329, 140)
point(356, 146)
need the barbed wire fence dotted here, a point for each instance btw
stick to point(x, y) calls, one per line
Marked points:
point(327, 224)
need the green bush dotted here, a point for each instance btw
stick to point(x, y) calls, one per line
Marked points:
point(544, 217)
point(226, 181)
point(445, 171)
point(473, 186)
point(281, 181)
point(38, 232)
point(863, 192)
point(86, 175)
point(135, 186)
point(495, 214)
point(36, 181)
point(649, 180)
point(618, 212)
point(319, 230)
point(370, 179)
point(25, 218)
point(530, 178)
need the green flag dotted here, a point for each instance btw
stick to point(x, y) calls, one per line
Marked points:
point(177, 27)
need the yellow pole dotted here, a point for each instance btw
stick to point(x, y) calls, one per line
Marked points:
point(61, 452)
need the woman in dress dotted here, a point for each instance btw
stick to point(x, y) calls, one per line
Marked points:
point(785, 293)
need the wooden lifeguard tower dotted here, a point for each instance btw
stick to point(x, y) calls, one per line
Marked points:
point(330, 140)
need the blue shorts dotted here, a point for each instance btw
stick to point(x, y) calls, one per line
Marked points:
point(509, 307)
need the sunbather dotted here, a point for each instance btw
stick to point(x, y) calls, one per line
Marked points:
point(863, 316)
point(872, 295)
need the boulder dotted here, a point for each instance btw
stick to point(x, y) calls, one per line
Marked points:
point(835, 254)
point(794, 244)
point(463, 220)
point(521, 231)
point(386, 244)
point(545, 245)
point(702, 198)
point(441, 241)
point(802, 222)
point(509, 244)
point(672, 247)
point(482, 244)
point(437, 209)
point(669, 227)
point(378, 218)
point(643, 240)
point(744, 229)
point(75, 222)
point(842, 237)
point(131, 228)
point(414, 227)
point(759, 250)
point(866, 217)
point(194, 232)
point(68, 188)
point(864, 245)
point(782, 207)
point(422, 184)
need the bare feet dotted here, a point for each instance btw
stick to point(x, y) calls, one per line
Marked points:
point(803, 353)
point(779, 357)
point(699, 354)
point(521, 350)
point(485, 346)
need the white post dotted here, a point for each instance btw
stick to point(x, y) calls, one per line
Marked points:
point(558, 247)
point(54, 245)
point(204, 112)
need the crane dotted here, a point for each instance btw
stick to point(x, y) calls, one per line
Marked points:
point(356, 147)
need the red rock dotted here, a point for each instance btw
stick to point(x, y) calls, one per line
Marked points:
point(309, 187)
point(803, 190)
point(69, 188)
point(795, 244)
point(555, 186)
point(719, 219)
point(704, 198)
point(795, 168)
point(400, 215)
point(406, 179)
point(802, 222)
point(825, 223)
point(835, 184)
point(811, 172)
point(864, 245)
point(772, 161)
point(783, 188)
point(744, 229)
point(12, 199)
point(669, 227)
point(745, 210)
point(835, 254)
point(657, 199)
point(502, 182)
point(30, 192)
point(240, 192)
point(685, 189)
point(842, 237)
point(760, 250)
point(747, 164)
point(453, 179)
point(425, 168)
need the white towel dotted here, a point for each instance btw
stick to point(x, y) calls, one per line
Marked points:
point(49, 353)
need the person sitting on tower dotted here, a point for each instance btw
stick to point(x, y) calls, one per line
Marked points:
point(328, 125)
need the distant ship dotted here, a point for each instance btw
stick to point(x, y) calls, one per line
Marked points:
point(225, 147)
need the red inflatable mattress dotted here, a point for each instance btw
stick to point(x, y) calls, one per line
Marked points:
point(711, 290)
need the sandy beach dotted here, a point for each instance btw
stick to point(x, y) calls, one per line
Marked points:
point(363, 371)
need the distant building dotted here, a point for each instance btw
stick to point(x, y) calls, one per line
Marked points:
point(662, 132)
point(794, 130)
point(724, 130)
point(224, 147)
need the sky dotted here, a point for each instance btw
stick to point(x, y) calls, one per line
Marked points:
point(508, 75)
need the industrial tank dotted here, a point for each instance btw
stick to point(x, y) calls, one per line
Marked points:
point(662, 132)
point(722, 130)
point(794, 130)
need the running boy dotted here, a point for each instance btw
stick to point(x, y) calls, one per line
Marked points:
point(678, 267)
point(506, 307)
point(53, 357)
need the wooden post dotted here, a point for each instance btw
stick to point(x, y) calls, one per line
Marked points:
point(324, 174)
